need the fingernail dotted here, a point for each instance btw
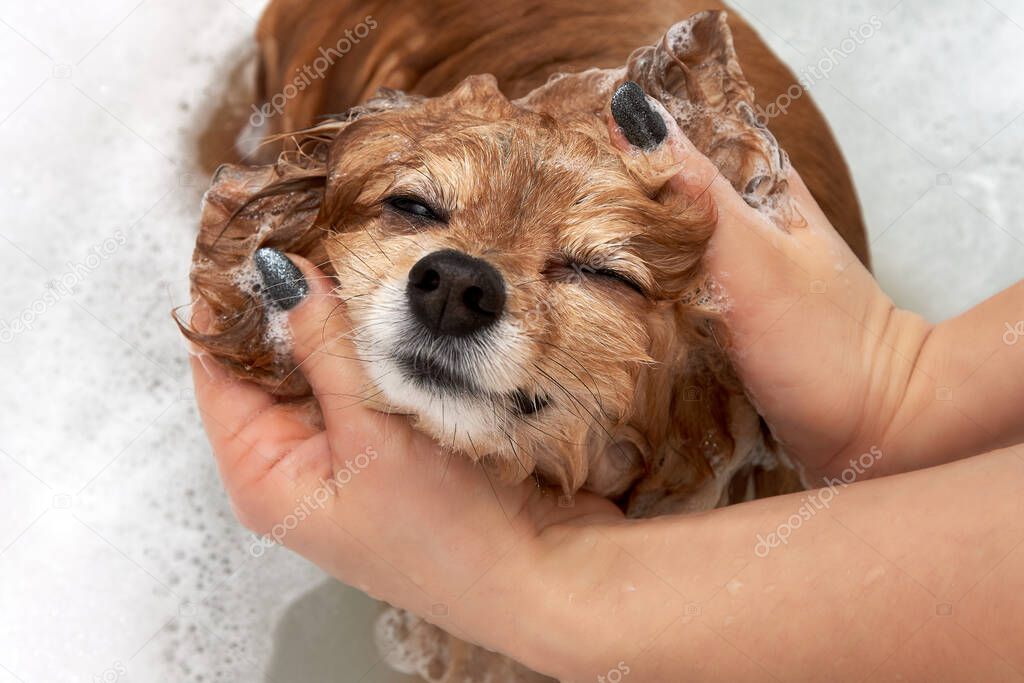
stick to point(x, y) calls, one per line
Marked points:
point(642, 126)
point(206, 362)
point(220, 170)
point(283, 283)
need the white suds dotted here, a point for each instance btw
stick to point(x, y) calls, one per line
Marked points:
point(277, 331)
point(709, 297)
point(409, 646)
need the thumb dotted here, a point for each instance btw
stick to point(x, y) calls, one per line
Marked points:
point(320, 330)
point(749, 253)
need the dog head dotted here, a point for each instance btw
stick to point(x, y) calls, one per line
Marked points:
point(508, 274)
point(526, 292)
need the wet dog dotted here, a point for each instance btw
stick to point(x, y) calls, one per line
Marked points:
point(527, 292)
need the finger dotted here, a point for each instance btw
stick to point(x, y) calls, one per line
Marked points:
point(321, 335)
point(226, 404)
point(761, 268)
point(811, 253)
point(747, 252)
point(658, 151)
point(250, 432)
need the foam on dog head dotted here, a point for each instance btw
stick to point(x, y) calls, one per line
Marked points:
point(276, 330)
point(694, 72)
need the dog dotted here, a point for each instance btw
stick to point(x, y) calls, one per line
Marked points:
point(524, 291)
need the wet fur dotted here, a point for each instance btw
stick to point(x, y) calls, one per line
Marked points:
point(645, 407)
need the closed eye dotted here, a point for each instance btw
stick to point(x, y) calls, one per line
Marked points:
point(619, 277)
point(415, 207)
point(575, 271)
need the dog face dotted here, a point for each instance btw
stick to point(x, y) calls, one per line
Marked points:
point(531, 296)
point(510, 277)
point(528, 294)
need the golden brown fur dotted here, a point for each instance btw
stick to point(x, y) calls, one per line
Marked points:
point(644, 405)
point(427, 47)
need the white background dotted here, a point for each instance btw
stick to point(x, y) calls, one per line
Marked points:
point(118, 550)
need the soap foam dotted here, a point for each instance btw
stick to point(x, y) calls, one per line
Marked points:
point(411, 646)
point(680, 36)
point(709, 297)
point(277, 331)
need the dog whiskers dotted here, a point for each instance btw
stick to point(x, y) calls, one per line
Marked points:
point(375, 279)
point(483, 468)
point(513, 444)
point(447, 463)
point(547, 434)
point(361, 260)
point(596, 422)
point(585, 369)
point(323, 349)
point(379, 248)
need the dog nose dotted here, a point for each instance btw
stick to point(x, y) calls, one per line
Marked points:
point(454, 294)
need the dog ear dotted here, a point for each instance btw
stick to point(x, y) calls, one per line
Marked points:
point(249, 207)
point(695, 74)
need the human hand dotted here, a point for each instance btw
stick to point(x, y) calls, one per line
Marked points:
point(411, 524)
point(574, 592)
point(372, 501)
point(824, 354)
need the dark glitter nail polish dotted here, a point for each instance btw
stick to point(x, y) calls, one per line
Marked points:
point(283, 284)
point(642, 126)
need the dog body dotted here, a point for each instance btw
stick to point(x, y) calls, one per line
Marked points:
point(525, 292)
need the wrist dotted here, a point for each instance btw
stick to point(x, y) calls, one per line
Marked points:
point(895, 344)
point(557, 589)
point(594, 603)
point(966, 389)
